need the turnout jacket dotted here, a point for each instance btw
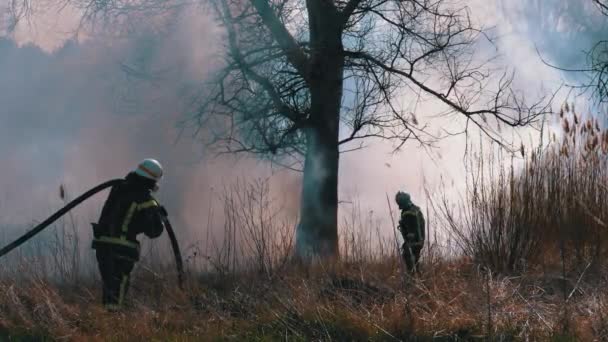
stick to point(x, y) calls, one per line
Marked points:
point(129, 210)
point(412, 222)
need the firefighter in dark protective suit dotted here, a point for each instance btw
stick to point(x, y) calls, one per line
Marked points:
point(129, 210)
point(411, 226)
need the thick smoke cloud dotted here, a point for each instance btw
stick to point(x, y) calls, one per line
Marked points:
point(563, 31)
point(81, 113)
point(90, 111)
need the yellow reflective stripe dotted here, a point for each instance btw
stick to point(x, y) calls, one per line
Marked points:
point(117, 241)
point(127, 221)
point(149, 204)
point(123, 285)
point(418, 243)
point(409, 213)
point(132, 209)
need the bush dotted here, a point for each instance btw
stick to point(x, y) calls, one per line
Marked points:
point(548, 211)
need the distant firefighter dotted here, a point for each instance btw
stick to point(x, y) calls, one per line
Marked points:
point(411, 226)
point(129, 210)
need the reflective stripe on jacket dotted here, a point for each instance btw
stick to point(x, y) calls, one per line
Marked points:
point(412, 222)
point(129, 210)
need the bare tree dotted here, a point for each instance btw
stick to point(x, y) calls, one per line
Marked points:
point(303, 78)
point(602, 5)
point(598, 63)
point(597, 60)
point(13, 12)
point(593, 71)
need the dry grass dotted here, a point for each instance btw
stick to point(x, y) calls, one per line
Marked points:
point(341, 302)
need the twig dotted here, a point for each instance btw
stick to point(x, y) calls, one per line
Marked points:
point(588, 212)
point(534, 311)
point(489, 302)
point(578, 282)
point(384, 331)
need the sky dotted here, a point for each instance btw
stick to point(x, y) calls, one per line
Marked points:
point(71, 115)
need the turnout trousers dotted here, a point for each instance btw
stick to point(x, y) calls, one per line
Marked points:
point(411, 255)
point(115, 271)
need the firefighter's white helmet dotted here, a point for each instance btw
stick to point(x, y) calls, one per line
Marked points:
point(151, 169)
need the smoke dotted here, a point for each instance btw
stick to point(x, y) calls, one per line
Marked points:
point(372, 173)
point(89, 111)
point(561, 32)
point(561, 29)
point(79, 112)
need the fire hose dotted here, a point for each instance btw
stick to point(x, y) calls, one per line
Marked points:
point(37, 229)
point(179, 264)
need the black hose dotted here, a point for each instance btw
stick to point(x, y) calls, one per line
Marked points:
point(176, 252)
point(178, 255)
point(57, 215)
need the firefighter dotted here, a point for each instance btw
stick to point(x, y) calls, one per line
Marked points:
point(411, 226)
point(129, 210)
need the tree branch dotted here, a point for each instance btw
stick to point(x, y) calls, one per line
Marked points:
point(288, 44)
point(602, 6)
point(458, 107)
point(349, 9)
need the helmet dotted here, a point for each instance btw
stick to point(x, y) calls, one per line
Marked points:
point(150, 169)
point(403, 199)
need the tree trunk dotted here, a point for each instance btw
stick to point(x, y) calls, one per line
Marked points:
point(317, 232)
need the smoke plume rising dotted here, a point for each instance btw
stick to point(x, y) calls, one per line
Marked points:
point(81, 112)
point(89, 111)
